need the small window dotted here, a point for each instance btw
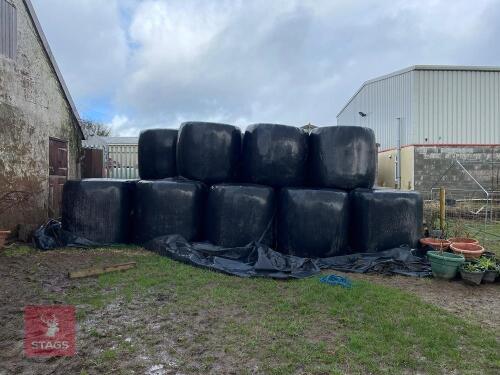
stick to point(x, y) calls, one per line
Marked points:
point(8, 29)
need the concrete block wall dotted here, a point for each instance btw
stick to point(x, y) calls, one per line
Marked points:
point(432, 162)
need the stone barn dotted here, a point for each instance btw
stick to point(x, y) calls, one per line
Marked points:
point(40, 132)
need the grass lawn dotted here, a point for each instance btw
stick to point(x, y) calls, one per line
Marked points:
point(298, 326)
point(198, 321)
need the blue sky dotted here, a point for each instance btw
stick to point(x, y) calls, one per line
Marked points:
point(141, 64)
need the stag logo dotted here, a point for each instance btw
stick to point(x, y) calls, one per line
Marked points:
point(49, 330)
point(52, 325)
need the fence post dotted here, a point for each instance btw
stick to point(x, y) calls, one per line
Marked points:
point(442, 208)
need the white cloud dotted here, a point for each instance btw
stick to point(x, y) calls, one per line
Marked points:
point(162, 62)
point(89, 42)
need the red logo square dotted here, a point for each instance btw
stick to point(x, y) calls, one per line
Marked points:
point(49, 331)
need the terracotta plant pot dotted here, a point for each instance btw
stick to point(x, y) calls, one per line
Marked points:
point(3, 236)
point(468, 250)
point(435, 243)
point(463, 240)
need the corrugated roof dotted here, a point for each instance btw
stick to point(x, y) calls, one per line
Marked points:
point(423, 67)
point(121, 140)
point(45, 43)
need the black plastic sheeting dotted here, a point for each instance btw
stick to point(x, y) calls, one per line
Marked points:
point(98, 209)
point(247, 261)
point(275, 155)
point(157, 153)
point(385, 218)
point(254, 259)
point(343, 157)
point(313, 222)
point(208, 152)
point(238, 214)
point(168, 206)
point(396, 261)
point(51, 236)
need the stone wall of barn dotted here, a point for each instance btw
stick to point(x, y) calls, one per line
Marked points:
point(33, 108)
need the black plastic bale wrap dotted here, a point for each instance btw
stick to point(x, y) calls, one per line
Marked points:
point(313, 222)
point(166, 207)
point(208, 152)
point(238, 214)
point(343, 157)
point(157, 154)
point(275, 155)
point(98, 209)
point(385, 218)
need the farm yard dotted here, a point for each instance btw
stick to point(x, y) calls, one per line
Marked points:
point(249, 187)
point(164, 317)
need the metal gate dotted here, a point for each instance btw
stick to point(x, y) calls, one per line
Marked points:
point(122, 161)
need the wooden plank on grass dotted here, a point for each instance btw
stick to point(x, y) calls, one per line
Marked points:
point(87, 272)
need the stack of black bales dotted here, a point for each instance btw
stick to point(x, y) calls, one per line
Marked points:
point(305, 195)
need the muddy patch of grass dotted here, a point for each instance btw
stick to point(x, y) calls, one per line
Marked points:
point(165, 317)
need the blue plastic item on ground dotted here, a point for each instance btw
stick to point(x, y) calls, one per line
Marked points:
point(333, 279)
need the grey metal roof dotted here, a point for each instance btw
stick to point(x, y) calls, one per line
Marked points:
point(103, 142)
point(121, 140)
point(423, 67)
point(48, 51)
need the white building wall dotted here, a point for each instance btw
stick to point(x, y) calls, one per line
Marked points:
point(456, 106)
point(383, 100)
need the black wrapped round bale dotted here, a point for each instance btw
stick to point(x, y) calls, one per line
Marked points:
point(208, 152)
point(166, 207)
point(313, 222)
point(98, 209)
point(157, 154)
point(275, 155)
point(236, 215)
point(343, 157)
point(385, 218)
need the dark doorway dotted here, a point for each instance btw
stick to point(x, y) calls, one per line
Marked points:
point(58, 174)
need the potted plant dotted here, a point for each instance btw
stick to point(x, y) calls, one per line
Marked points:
point(490, 268)
point(468, 250)
point(472, 273)
point(460, 234)
point(435, 243)
point(444, 265)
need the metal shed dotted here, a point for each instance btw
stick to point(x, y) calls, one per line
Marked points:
point(426, 116)
point(429, 104)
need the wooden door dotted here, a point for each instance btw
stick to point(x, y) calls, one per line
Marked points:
point(93, 163)
point(58, 174)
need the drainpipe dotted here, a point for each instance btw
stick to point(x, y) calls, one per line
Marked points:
point(398, 157)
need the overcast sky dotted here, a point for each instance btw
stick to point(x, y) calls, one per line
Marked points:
point(141, 64)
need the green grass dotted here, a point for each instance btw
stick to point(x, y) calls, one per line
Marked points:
point(18, 250)
point(301, 325)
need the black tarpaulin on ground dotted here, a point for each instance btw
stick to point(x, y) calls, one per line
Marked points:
point(51, 236)
point(254, 259)
point(260, 260)
point(396, 261)
point(251, 260)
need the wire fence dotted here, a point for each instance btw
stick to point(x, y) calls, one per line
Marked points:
point(468, 212)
